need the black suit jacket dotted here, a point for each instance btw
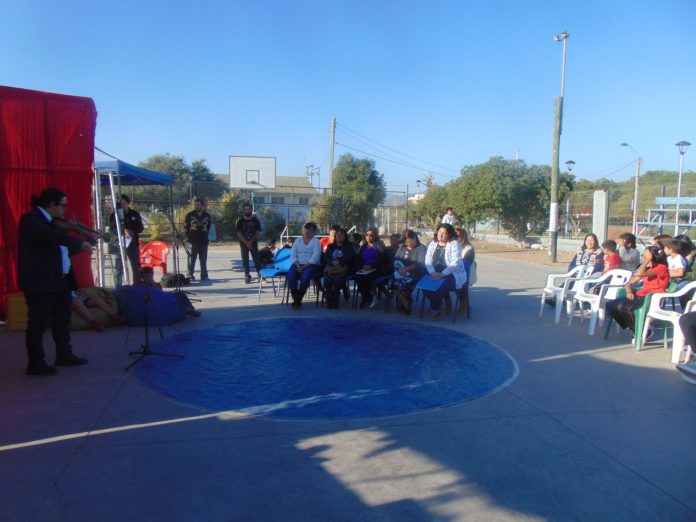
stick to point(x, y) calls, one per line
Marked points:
point(40, 264)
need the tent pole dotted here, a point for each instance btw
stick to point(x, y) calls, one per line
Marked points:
point(121, 246)
point(175, 240)
point(98, 212)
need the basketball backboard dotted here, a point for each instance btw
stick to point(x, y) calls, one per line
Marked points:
point(252, 172)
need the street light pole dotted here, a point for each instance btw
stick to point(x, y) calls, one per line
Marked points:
point(682, 146)
point(553, 211)
point(639, 161)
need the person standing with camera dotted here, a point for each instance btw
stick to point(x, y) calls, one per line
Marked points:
point(131, 227)
point(197, 224)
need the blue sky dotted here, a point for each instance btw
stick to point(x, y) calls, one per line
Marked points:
point(450, 83)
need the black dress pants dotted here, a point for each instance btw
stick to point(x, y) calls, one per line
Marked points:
point(199, 250)
point(44, 308)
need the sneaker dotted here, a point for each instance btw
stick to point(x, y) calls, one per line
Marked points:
point(373, 303)
point(70, 359)
point(42, 369)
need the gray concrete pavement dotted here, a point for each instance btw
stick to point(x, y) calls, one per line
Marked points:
point(589, 430)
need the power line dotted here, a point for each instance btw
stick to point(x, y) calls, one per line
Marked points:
point(396, 150)
point(397, 162)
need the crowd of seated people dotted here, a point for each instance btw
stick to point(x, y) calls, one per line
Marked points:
point(393, 270)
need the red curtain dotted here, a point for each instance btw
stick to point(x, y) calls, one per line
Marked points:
point(46, 140)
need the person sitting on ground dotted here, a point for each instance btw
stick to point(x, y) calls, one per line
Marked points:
point(676, 263)
point(326, 241)
point(82, 303)
point(267, 253)
point(443, 260)
point(372, 262)
point(612, 259)
point(147, 278)
point(339, 261)
point(630, 256)
point(409, 267)
point(654, 276)
point(306, 263)
point(590, 254)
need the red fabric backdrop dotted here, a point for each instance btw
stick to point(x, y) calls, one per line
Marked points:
point(46, 140)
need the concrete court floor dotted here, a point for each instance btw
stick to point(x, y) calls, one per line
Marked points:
point(589, 430)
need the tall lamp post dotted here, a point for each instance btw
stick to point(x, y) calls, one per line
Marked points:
point(553, 211)
point(682, 146)
point(639, 160)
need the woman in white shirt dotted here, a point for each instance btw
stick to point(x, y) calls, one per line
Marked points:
point(306, 263)
point(443, 260)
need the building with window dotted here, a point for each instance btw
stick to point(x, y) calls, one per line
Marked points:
point(292, 198)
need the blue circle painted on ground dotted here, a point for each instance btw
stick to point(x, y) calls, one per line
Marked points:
point(308, 368)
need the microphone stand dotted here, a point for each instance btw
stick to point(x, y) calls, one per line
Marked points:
point(145, 348)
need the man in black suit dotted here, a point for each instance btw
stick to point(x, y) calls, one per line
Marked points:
point(43, 275)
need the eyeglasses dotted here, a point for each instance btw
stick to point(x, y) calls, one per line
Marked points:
point(64, 205)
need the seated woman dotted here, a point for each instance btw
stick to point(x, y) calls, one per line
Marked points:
point(469, 258)
point(409, 267)
point(654, 275)
point(372, 262)
point(306, 263)
point(590, 254)
point(82, 303)
point(630, 257)
point(339, 261)
point(443, 261)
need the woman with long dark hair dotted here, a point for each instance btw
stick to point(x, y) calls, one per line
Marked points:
point(590, 254)
point(372, 262)
point(409, 267)
point(339, 263)
point(654, 276)
point(443, 260)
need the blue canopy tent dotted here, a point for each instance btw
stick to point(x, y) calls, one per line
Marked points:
point(111, 171)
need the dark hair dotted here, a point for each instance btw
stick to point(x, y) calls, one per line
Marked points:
point(247, 204)
point(596, 240)
point(48, 197)
point(659, 239)
point(125, 198)
point(146, 270)
point(451, 234)
point(396, 236)
point(270, 242)
point(410, 234)
point(310, 224)
point(673, 244)
point(658, 255)
point(462, 234)
point(687, 246)
point(375, 233)
point(629, 238)
point(610, 245)
point(448, 209)
point(341, 230)
point(355, 237)
point(335, 228)
point(199, 200)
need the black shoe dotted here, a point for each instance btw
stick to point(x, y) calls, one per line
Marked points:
point(70, 360)
point(296, 305)
point(346, 293)
point(247, 279)
point(41, 369)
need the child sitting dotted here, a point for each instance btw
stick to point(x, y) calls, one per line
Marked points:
point(612, 259)
point(675, 262)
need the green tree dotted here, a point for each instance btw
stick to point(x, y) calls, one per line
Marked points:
point(227, 210)
point(432, 205)
point(508, 189)
point(358, 189)
point(194, 180)
point(272, 223)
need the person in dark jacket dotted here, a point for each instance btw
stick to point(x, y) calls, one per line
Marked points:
point(339, 263)
point(44, 275)
point(131, 227)
point(372, 262)
point(197, 224)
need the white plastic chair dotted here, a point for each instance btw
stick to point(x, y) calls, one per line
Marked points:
point(583, 294)
point(558, 284)
point(657, 313)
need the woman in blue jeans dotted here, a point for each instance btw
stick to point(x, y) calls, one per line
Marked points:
point(306, 263)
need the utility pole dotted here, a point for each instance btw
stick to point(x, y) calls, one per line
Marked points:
point(557, 129)
point(331, 154)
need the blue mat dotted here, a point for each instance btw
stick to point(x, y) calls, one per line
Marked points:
point(326, 368)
